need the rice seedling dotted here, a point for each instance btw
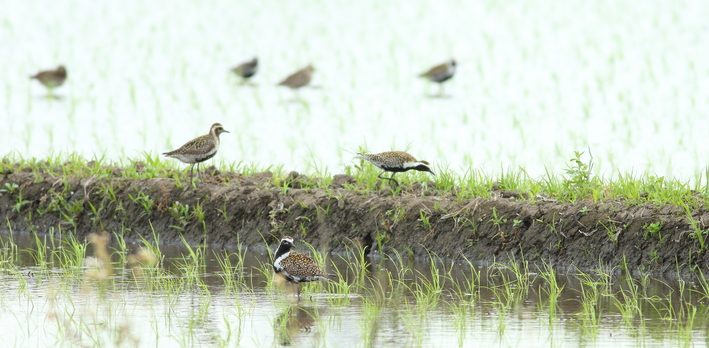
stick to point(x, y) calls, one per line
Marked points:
point(71, 254)
point(192, 265)
point(233, 274)
point(358, 266)
point(265, 270)
point(9, 251)
point(427, 292)
point(552, 290)
point(591, 292)
point(462, 312)
point(39, 253)
point(627, 301)
point(370, 323)
point(153, 247)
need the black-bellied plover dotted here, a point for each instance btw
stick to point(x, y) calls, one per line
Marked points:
point(441, 73)
point(296, 267)
point(395, 162)
point(246, 70)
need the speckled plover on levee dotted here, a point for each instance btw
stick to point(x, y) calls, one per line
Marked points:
point(395, 162)
point(199, 149)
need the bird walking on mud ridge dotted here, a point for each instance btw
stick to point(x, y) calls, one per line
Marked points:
point(199, 149)
point(246, 70)
point(51, 78)
point(395, 162)
point(441, 73)
point(296, 267)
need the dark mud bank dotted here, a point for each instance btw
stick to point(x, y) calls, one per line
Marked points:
point(227, 209)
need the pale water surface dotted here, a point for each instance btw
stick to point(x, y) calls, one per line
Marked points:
point(536, 81)
point(195, 301)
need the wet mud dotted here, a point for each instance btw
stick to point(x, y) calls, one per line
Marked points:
point(226, 209)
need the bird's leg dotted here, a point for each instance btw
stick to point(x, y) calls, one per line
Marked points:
point(198, 175)
point(396, 183)
point(391, 178)
point(440, 89)
point(191, 167)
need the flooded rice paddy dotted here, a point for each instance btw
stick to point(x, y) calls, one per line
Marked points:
point(536, 81)
point(60, 292)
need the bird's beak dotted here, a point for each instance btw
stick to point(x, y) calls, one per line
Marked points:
point(225, 131)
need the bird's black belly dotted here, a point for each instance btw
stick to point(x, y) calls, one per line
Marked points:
point(292, 279)
point(395, 169)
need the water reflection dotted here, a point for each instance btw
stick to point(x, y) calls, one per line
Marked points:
point(293, 322)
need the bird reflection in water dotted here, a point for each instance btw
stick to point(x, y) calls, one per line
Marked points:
point(293, 322)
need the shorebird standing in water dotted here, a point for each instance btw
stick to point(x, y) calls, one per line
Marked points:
point(441, 73)
point(296, 267)
point(199, 149)
point(246, 70)
point(395, 162)
point(51, 78)
point(299, 79)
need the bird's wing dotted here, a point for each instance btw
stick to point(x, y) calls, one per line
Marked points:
point(196, 146)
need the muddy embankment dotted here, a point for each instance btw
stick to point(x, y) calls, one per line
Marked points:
point(228, 208)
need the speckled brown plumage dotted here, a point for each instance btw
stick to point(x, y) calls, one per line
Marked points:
point(299, 78)
point(51, 78)
point(295, 266)
point(300, 268)
point(395, 161)
point(199, 149)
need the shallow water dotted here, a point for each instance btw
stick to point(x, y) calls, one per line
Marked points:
point(536, 81)
point(190, 302)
